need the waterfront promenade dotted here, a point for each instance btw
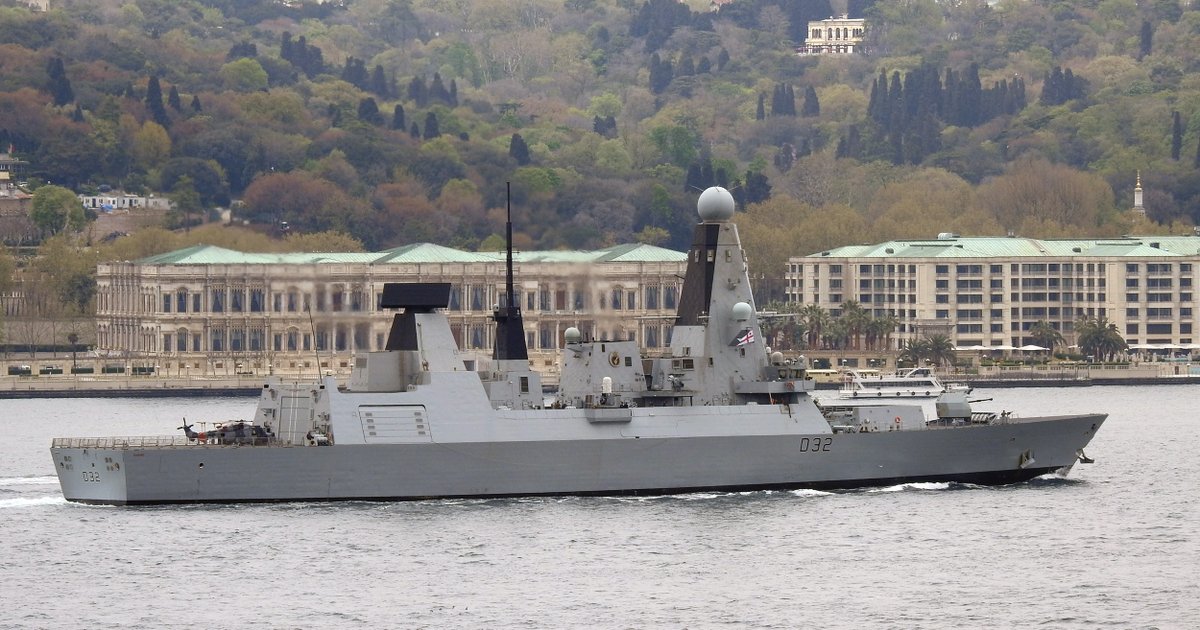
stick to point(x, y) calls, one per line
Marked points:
point(37, 385)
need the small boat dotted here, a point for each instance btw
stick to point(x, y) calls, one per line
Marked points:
point(911, 383)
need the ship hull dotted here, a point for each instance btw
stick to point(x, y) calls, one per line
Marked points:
point(985, 454)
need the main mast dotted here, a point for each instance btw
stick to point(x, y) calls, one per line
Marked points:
point(510, 330)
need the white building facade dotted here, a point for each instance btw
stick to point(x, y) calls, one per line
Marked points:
point(836, 35)
point(210, 308)
point(991, 291)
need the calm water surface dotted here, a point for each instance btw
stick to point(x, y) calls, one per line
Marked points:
point(1113, 545)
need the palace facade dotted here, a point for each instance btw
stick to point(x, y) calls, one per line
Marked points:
point(991, 291)
point(207, 308)
point(836, 35)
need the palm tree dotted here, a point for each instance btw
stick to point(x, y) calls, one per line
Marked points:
point(941, 349)
point(836, 336)
point(1044, 334)
point(1099, 338)
point(914, 351)
point(879, 332)
point(815, 319)
point(856, 319)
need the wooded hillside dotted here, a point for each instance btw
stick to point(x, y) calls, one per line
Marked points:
point(398, 121)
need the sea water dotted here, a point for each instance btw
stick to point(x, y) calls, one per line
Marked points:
point(1115, 544)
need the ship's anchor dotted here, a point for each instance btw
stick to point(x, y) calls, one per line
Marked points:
point(1083, 458)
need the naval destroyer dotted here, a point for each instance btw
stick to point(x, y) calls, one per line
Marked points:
point(717, 412)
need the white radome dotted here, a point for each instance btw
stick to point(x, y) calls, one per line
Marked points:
point(715, 205)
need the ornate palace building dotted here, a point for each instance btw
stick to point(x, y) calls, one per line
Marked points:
point(835, 35)
point(991, 291)
point(206, 308)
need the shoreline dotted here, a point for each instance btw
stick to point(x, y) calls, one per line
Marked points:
point(150, 387)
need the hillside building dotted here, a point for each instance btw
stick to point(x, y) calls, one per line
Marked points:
point(834, 36)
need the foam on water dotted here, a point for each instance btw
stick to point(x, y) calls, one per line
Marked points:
point(28, 502)
point(28, 481)
point(938, 485)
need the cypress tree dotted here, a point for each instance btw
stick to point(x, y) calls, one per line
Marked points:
point(1147, 39)
point(760, 113)
point(812, 107)
point(417, 92)
point(173, 99)
point(379, 83)
point(398, 117)
point(437, 89)
point(154, 102)
point(414, 131)
point(518, 149)
point(368, 111)
point(196, 107)
point(1176, 135)
point(785, 157)
point(60, 85)
point(687, 67)
point(758, 188)
point(286, 51)
point(431, 126)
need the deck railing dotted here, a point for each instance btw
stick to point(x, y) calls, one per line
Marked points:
point(148, 441)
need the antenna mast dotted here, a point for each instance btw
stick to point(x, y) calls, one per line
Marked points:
point(510, 330)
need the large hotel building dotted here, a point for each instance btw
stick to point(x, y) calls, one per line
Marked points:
point(990, 291)
point(207, 308)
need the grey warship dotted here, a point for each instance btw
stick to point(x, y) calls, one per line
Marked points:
point(717, 412)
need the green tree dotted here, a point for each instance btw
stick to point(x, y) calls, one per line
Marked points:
point(914, 352)
point(815, 320)
point(244, 75)
point(1045, 335)
point(1099, 338)
point(856, 319)
point(67, 271)
point(941, 350)
point(56, 209)
point(185, 202)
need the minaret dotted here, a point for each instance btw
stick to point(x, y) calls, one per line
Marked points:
point(1137, 195)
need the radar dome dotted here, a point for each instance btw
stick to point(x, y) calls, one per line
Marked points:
point(572, 335)
point(715, 204)
point(742, 311)
point(776, 358)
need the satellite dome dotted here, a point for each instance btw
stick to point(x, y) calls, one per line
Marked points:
point(742, 311)
point(572, 335)
point(776, 358)
point(715, 205)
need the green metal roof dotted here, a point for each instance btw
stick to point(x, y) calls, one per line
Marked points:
point(413, 254)
point(1017, 247)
